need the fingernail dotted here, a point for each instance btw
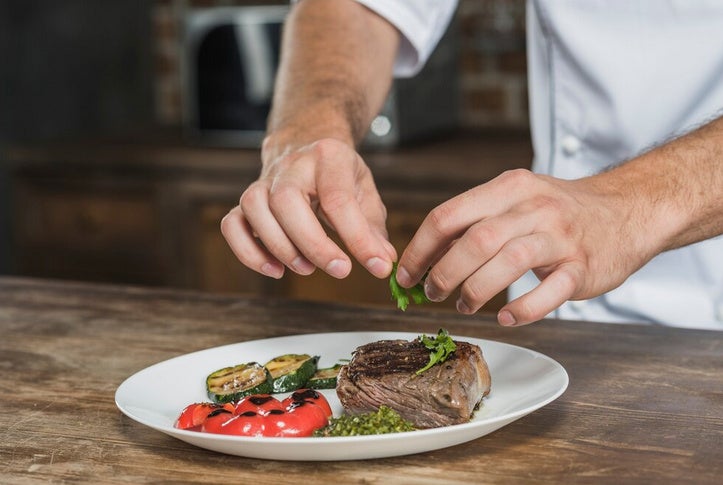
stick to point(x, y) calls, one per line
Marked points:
point(431, 292)
point(302, 265)
point(378, 267)
point(390, 250)
point(462, 307)
point(338, 268)
point(506, 318)
point(272, 270)
point(403, 277)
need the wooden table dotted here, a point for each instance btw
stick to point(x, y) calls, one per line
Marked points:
point(645, 404)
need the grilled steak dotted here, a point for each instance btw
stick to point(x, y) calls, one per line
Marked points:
point(384, 373)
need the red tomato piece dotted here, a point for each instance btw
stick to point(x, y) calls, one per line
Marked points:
point(246, 424)
point(300, 414)
point(193, 416)
point(306, 410)
point(288, 425)
point(313, 417)
point(215, 421)
point(308, 395)
point(261, 404)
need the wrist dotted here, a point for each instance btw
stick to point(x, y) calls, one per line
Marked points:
point(652, 202)
point(291, 137)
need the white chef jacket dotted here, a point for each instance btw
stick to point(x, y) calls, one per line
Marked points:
point(608, 80)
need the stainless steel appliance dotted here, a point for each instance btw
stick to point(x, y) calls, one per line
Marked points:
point(230, 60)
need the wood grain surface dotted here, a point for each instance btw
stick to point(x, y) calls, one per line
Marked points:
point(645, 404)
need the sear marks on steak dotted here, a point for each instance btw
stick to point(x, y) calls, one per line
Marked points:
point(384, 373)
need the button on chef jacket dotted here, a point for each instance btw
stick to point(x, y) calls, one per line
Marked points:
point(607, 81)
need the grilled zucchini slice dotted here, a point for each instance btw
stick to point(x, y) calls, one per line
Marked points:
point(324, 378)
point(291, 371)
point(232, 383)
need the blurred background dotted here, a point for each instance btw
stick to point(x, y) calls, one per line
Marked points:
point(128, 129)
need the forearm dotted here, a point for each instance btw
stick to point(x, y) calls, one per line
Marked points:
point(334, 74)
point(673, 194)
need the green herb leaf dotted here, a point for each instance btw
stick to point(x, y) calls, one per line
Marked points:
point(440, 348)
point(403, 295)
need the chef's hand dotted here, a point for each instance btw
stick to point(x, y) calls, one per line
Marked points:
point(576, 236)
point(279, 219)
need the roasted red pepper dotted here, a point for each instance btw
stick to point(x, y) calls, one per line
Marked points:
point(194, 415)
point(308, 396)
point(261, 404)
point(260, 415)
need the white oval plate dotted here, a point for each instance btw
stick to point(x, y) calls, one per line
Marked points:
point(522, 381)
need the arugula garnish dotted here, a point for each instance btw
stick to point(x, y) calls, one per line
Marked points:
point(440, 348)
point(403, 295)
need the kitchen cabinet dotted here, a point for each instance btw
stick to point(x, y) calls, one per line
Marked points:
point(68, 229)
point(147, 212)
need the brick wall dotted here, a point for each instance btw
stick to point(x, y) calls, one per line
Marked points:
point(492, 60)
point(493, 67)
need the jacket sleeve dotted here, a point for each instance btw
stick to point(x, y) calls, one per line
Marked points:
point(421, 24)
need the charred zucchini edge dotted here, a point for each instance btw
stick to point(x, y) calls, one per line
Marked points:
point(324, 378)
point(232, 383)
point(291, 371)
